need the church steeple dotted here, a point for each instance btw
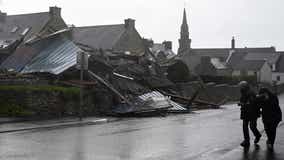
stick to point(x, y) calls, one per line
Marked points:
point(184, 27)
point(184, 41)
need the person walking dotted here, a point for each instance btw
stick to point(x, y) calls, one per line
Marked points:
point(250, 112)
point(271, 114)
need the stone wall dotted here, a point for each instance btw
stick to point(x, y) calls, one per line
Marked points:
point(33, 101)
point(38, 101)
point(217, 93)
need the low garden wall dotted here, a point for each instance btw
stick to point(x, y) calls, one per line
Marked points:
point(38, 101)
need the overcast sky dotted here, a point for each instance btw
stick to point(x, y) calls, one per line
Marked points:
point(212, 23)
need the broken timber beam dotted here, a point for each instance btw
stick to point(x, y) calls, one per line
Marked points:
point(109, 86)
point(189, 99)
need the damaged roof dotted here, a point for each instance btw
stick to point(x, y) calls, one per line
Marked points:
point(53, 54)
point(217, 63)
point(99, 37)
point(19, 58)
point(159, 47)
point(32, 23)
point(59, 56)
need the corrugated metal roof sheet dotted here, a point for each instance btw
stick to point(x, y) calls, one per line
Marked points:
point(175, 106)
point(60, 55)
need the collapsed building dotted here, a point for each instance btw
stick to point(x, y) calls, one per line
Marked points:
point(117, 59)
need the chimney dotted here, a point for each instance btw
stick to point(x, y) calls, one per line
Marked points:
point(167, 44)
point(55, 11)
point(3, 16)
point(129, 23)
point(233, 43)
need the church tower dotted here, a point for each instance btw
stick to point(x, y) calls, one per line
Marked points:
point(184, 41)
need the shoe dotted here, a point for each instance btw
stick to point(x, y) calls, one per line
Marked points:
point(257, 138)
point(269, 146)
point(245, 144)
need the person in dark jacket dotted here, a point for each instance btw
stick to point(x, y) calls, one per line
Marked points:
point(250, 112)
point(271, 114)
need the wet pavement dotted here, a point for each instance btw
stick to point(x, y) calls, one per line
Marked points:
point(14, 126)
point(205, 135)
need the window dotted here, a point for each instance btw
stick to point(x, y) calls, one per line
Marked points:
point(14, 29)
point(25, 31)
point(278, 78)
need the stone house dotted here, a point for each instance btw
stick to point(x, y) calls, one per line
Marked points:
point(117, 38)
point(212, 67)
point(19, 29)
point(230, 61)
point(278, 73)
point(262, 65)
point(260, 69)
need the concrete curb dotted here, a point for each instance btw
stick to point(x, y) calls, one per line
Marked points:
point(60, 125)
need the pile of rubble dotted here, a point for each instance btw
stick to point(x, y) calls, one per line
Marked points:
point(143, 89)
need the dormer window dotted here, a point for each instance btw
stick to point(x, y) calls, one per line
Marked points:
point(25, 31)
point(14, 29)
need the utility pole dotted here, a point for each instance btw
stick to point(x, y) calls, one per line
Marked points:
point(82, 65)
point(82, 68)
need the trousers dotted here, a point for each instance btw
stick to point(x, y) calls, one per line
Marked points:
point(270, 130)
point(252, 124)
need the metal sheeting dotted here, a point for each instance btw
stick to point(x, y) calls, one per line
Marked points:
point(158, 95)
point(60, 55)
point(176, 107)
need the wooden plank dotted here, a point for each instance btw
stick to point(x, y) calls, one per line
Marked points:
point(190, 99)
point(109, 86)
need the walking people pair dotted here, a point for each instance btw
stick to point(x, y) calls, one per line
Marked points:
point(264, 104)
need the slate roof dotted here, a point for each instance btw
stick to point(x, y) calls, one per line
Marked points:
point(8, 42)
point(248, 61)
point(271, 58)
point(249, 65)
point(280, 63)
point(34, 21)
point(235, 58)
point(224, 52)
point(99, 37)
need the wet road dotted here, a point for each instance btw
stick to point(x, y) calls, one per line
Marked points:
point(203, 136)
